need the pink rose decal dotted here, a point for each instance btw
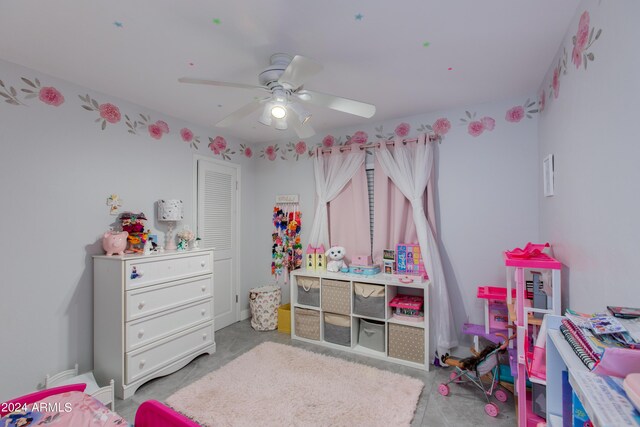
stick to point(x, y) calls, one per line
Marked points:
point(248, 152)
point(155, 131)
point(583, 31)
point(403, 129)
point(360, 137)
point(515, 114)
point(163, 126)
point(218, 145)
point(301, 147)
point(186, 134)
point(555, 83)
point(270, 152)
point(542, 101)
point(475, 128)
point(441, 126)
point(488, 123)
point(110, 112)
point(328, 141)
point(51, 96)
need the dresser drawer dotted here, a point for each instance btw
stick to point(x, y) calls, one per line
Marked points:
point(149, 359)
point(154, 299)
point(148, 271)
point(152, 328)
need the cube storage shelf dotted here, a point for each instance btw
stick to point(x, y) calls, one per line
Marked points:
point(410, 350)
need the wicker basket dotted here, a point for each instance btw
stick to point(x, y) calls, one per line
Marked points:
point(307, 323)
point(336, 296)
point(406, 343)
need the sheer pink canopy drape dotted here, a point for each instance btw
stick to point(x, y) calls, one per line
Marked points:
point(349, 217)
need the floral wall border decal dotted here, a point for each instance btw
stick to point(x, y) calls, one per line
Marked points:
point(475, 127)
point(110, 114)
point(581, 54)
point(517, 113)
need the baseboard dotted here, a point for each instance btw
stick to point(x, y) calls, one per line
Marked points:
point(245, 314)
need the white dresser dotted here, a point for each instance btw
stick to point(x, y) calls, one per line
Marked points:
point(153, 314)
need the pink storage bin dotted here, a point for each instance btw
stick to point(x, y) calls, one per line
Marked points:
point(408, 307)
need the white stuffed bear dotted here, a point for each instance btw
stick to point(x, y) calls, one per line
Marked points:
point(335, 256)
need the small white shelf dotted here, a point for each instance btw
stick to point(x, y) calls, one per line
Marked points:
point(368, 352)
point(359, 316)
point(308, 307)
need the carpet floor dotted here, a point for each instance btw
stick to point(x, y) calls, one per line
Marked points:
point(276, 384)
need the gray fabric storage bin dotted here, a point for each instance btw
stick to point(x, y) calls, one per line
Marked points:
point(371, 334)
point(308, 291)
point(369, 300)
point(337, 329)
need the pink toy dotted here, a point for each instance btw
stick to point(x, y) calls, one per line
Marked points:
point(409, 260)
point(114, 242)
point(408, 307)
point(361, 260)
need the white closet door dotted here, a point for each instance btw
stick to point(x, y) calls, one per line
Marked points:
point(217, 227)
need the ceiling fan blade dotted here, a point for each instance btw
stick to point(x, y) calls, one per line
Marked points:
point(223, 84)
point(338, 103)
point(241, 113)
point(298, 72)
point(303, 131)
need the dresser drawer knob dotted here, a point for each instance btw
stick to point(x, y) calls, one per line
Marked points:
point(140, 305)
point(203, 264)
point(142, 362)
point(140, 333)
point(203, 312)
point(204, 336)
point(204, 288)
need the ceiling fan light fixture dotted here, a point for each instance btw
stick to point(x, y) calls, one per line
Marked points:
point(301, 112)
point(265, 117)
point(280, 124)
point(279, 111)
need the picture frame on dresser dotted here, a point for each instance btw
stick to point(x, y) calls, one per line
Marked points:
point(153, 314)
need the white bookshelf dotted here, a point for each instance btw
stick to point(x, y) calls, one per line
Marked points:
point(392, 287)
point(597, 397)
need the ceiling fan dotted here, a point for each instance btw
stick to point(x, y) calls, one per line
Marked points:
point(284, 80)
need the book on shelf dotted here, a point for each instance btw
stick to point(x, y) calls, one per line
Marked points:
point(624, 312)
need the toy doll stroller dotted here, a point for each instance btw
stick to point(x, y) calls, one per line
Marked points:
point(472, 369)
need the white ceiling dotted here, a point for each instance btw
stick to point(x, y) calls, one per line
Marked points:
point(496, 48)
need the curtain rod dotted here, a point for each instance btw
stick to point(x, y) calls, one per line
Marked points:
point(431, 137)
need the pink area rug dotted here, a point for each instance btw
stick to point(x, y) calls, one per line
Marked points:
point(279, 385)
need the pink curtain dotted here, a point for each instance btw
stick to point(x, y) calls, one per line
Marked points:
point(349, 217)
point(392, 216)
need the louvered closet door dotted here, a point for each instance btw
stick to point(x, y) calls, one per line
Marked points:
point(217, 227)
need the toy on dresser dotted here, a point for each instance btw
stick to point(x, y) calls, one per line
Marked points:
point(315, 259)
point(133, 223)
point(409, 259)
point(362, 264)
point(336, 262)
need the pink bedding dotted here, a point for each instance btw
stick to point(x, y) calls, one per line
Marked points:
point(73, 408)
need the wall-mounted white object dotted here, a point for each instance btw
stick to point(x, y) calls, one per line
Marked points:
point(115, 203)
point(287, 198)
point(547, 173)
point(170, 211)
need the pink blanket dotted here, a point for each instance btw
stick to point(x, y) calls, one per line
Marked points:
point(67, 409)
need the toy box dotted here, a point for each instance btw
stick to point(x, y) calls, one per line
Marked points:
point(409, 259)
point(361, 260)
point(408, 307)
point(366, 270)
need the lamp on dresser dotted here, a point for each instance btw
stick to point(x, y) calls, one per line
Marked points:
point(170, 211)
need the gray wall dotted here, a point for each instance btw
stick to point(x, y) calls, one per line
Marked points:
point(592, 130)
point(57, 168)
point(487, 196)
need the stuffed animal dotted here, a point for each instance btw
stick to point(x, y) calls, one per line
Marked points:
point(335, 255)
